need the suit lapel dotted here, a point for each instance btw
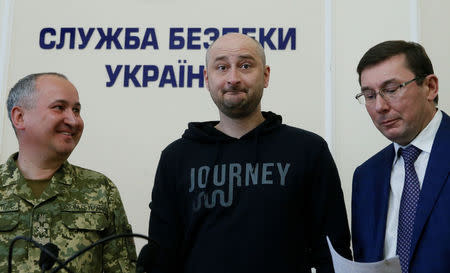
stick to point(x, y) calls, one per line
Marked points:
point(435, 176)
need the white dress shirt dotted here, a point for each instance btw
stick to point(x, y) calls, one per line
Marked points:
point(423, 141)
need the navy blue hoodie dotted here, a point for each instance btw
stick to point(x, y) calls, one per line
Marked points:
point(260, 203)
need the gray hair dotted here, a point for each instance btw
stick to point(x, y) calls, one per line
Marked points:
point(23, 92)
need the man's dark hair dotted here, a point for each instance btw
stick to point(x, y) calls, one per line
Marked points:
point(416, 58)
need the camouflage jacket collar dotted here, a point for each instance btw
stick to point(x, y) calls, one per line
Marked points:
point(9, 172)
point(10, 175)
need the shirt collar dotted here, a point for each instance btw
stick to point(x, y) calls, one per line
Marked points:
point(424, 140)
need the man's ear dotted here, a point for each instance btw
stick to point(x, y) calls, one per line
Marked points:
point(432, 83)
point(17, 117)
point(266, 76)
point(205, 76)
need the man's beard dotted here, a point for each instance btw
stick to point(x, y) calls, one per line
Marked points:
point(240, 110)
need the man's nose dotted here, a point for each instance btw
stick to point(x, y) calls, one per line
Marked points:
point(381, 105)
point(233, 77)
point(72, 118)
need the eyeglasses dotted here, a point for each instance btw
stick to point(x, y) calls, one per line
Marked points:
point(388, 93)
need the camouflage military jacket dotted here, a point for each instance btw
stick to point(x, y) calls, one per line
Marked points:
point(78, 208)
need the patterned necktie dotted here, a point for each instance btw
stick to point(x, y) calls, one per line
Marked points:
point(408, 204)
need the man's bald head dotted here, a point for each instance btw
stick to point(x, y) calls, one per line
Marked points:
point(229, 38)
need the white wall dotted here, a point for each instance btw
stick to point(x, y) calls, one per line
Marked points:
point(313, 87)
point(360, 25)
point(433, 28)
point(6, 8)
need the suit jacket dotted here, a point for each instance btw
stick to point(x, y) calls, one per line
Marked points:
point(430, 245)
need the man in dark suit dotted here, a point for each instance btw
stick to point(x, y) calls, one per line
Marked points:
point(401, 195)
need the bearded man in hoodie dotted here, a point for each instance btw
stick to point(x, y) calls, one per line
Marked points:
point(246, 193)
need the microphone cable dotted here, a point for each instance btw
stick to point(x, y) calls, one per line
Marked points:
point(101, 241)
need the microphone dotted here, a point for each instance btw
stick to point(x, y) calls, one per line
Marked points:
point(147, 257)
point(45, 261)
point(99, 242)
point(47, 249)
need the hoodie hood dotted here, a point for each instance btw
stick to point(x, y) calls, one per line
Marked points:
point(205, 132)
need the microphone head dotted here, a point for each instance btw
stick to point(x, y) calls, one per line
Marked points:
point(146, 257)
point(45, 261)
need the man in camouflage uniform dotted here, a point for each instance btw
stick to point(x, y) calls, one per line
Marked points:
point(45, 198)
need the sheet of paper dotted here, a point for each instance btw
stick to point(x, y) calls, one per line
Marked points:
point(343, 265)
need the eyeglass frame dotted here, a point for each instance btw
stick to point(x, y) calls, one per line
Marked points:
point(382, 90)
